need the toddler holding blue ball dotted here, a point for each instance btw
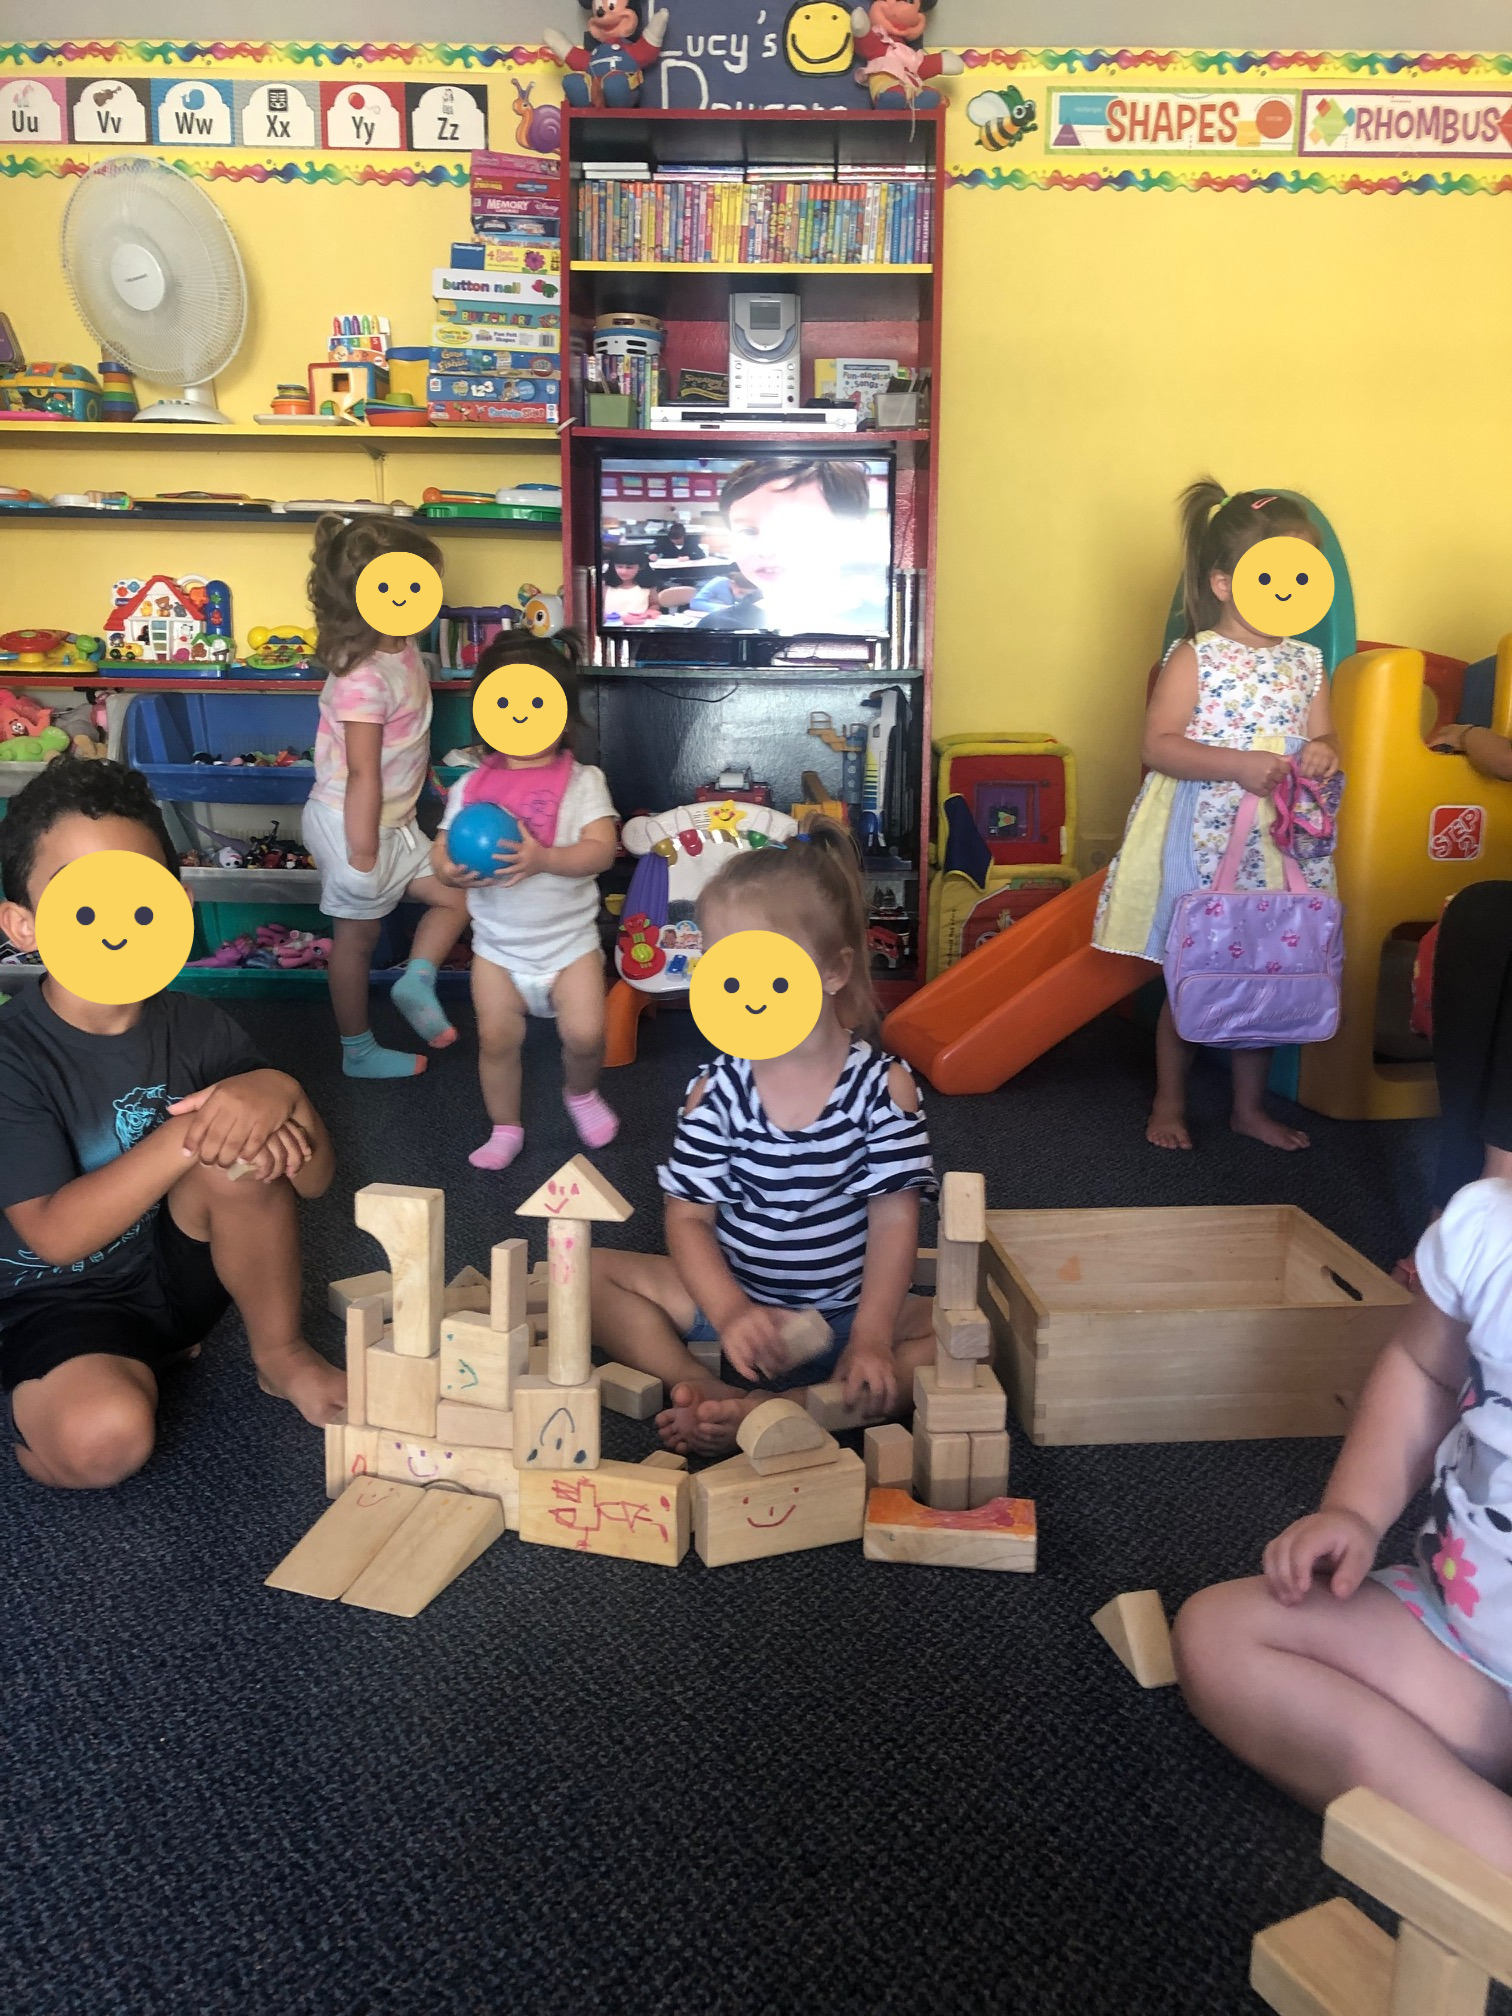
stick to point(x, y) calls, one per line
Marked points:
point(526, 835)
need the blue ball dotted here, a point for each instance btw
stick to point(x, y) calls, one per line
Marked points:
point(477, 833)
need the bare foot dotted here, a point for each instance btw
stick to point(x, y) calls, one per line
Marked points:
point(306, 1380)
point(704, 1416)
point(1274, 1133)
point(1167, 1128)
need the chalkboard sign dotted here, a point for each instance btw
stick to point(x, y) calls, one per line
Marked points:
point(723, 55)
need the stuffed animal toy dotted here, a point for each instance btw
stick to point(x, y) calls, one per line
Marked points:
point(623, 40)
point(894, 67)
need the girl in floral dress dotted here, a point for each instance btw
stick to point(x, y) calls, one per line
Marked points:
point(1229, 707)
point(1324, 1675)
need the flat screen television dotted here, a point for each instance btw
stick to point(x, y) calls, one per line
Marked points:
point(778, 543)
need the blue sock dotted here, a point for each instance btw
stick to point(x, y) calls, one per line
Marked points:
point(362, 1057)
point(414, 995)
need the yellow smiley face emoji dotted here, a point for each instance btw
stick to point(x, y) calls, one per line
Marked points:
point(755, 994)
point(114, 927)
point(1283, 587)
point(398, 594)
point(817, 38)
point(520, 710)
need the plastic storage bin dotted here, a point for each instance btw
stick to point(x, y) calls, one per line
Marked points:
point(163, 731)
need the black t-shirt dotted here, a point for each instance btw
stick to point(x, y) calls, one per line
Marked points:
point(71, 1102)
point(667, 548)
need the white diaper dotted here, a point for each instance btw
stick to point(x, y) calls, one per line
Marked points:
point(363, 894)
point(534, 989)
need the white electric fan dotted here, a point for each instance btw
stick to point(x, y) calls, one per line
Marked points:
point(157, 279)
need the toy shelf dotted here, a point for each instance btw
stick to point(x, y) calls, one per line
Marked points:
point(373, 440)
point(87, 679)
point(856, 268)
point(147, 514)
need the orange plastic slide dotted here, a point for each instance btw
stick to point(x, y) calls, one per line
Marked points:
point(1010, 1000)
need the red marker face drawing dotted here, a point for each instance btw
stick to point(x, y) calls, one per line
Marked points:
point(774, 1518)
point(559, 1196)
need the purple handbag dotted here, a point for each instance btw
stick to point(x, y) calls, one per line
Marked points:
point(1247, 969)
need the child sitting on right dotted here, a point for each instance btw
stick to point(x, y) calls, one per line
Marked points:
point(793, 1183)
point(1325, 1675)
point(535, 936)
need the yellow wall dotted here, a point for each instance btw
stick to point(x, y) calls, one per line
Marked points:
point(1100, 350)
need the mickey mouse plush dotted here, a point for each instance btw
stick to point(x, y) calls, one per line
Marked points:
point(622, 41)
point(890, 43)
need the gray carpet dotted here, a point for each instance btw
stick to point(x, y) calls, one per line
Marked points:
point(810, 1784)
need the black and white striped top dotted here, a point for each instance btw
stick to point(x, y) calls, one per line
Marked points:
point(792, 1205)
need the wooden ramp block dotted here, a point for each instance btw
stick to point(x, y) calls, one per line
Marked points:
point(484, 1472)
point(345, 1538)
point(445, 1534)
point(739, 1515)
point(962, 1333)
point(664, 1459)
point(480, 1427)
point(978, 1412)
point(479, 1364)
point(779, 1435)
point(361, 1288)
point(942, 1469)
point(988, 1477)
point(1135, 1626)
point(1000, 1536)
point(508, 1280)
point(401, 1392)
point(623, 1390)
point(1330, 1961)
point(830, 1408)
point(888, 1455)
point(630, 1511)
point(577, 1191)
point(468, 1291)
point(364, 1328)
point(556, 1427)
point(410, 1225)
point(963, 1207)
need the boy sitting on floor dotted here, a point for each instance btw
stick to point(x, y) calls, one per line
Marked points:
point(122, 1237)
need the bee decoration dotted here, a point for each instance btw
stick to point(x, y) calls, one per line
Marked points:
point(1003, 116)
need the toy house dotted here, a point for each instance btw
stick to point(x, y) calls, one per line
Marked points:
point(161, 621)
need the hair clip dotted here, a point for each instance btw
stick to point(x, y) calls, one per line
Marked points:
point(1259, 503)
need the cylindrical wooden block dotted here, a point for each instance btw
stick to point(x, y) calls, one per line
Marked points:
point(568, 1302)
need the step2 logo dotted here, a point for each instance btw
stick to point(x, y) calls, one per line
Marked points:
point(1456, 832)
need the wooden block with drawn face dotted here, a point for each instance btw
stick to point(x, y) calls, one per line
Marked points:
point(739, 1515)
point(489, 1472)
point(556, 1427)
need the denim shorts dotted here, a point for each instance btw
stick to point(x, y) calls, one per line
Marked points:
point(812, 1372)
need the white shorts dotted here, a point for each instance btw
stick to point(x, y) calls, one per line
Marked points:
point(345, 891)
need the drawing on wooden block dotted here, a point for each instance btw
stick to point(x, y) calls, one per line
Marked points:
point(558, 1440)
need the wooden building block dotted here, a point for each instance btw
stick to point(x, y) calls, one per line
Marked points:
point(485, 1472)
point(741, 1516)
point(334, 1436)
point(467, 1291)
point(402, 1392)
point(540, 1358)
point(1443, 1889)
point(804, 1334)
point(445, 1534)
point(479, 1364)
point(364, 1327)
point(349, 1452)
point(924, 1270)
point(664, 1459)
point(569, 1302)
point(577, 1191)
point(831, 1409)
point(888, 1455)
point(345, 1538)
point(989, 1467)
point(963, 1333)
point(1330, 1961)
point(361, 1288)
point(958, 1265)
point(963, 1207)
point(942, 1469)
point(954, 1375)
point(631, 1511)
point(508, 1278)
point(779, 1428)
point(1000, 1535)
point(480, 1427)
point(979, 1412)
point(623, 1390)
point(410, 1225)
point(1432, 1981)
point(556, 1427)
point(1135, 1626)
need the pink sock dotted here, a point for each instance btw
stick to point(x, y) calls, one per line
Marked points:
point(595, 1122)
point(500, 1149)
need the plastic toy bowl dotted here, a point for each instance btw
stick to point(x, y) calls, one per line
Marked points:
point(397, 416)
point(477, 833)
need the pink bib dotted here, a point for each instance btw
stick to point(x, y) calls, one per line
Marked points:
point(533, 796)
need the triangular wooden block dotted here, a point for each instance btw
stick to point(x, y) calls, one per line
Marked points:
point(346, 1538)
point(1135, 1626)
point(445, 1534)
point(577, 1191)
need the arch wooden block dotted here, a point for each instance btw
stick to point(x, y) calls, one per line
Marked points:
point(780, 1435)
point(1135, 1626)
point(410, 1225)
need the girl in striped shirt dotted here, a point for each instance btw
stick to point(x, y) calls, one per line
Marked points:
point(793, 1183)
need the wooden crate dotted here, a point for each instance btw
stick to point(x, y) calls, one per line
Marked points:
point(1188, 1325)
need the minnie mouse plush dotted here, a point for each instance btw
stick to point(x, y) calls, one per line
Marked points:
point(622, 41)
point(890, 43)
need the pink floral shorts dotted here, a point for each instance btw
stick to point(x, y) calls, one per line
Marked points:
point(1413, 1588)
